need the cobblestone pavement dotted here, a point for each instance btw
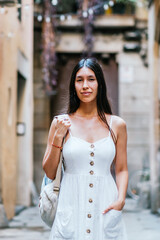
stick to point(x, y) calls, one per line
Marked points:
point(26, 226)
point(140, 223)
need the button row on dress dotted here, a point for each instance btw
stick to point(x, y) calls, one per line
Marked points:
point(91, 184)
point(92, 163)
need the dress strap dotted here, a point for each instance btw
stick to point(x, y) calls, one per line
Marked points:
point(110, 125)
point(69, 130)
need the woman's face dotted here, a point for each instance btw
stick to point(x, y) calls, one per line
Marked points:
point(86, 85)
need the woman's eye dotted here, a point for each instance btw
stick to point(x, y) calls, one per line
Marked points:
point(78, 80)
point(91, 79)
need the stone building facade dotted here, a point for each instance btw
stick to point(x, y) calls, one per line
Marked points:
point(16, 106)
point(154, 84)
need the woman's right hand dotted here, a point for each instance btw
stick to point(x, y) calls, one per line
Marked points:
point(61, 126)
point(58, 130)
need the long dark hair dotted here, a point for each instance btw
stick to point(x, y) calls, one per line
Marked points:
point(103, 105)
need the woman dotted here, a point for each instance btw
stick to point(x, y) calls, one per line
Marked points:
point(90, 202)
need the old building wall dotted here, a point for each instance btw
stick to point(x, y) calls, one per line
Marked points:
point(8, 118)
point(134, 108)
point(25, 111)
point(154, 60)
point(16, 105)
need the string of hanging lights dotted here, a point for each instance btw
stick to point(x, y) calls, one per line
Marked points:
point(86, 13)
point(106, 4)
point(68, 16)
point(92, 9)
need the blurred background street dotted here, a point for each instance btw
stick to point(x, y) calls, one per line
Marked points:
point(40, 42)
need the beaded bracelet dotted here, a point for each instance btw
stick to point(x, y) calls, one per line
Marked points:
point(57, 146)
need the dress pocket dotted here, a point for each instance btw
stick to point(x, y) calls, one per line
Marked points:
point(112, 224)
point(64, 227)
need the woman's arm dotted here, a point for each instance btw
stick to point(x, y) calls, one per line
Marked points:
point(51, 158)
point(121, 169)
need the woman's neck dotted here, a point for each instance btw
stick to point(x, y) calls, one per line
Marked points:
point(87, 110)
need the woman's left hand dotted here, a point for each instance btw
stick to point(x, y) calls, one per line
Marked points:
point(118, 205)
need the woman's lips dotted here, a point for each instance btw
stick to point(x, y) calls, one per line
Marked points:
point(86, 93)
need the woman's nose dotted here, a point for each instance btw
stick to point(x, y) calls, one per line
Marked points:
point(85, 84)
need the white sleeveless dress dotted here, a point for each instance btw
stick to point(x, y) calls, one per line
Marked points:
point(87, 189)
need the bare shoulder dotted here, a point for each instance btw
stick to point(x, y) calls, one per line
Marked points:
point(119, 125)
point(118, 121)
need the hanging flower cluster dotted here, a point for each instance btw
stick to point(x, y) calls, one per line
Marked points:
point(49, 54)
point(87, 15)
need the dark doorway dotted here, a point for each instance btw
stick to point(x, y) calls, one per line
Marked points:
point(21, 82)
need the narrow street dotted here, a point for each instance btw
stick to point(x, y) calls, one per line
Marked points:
point(140, 223)
point(115, 47)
